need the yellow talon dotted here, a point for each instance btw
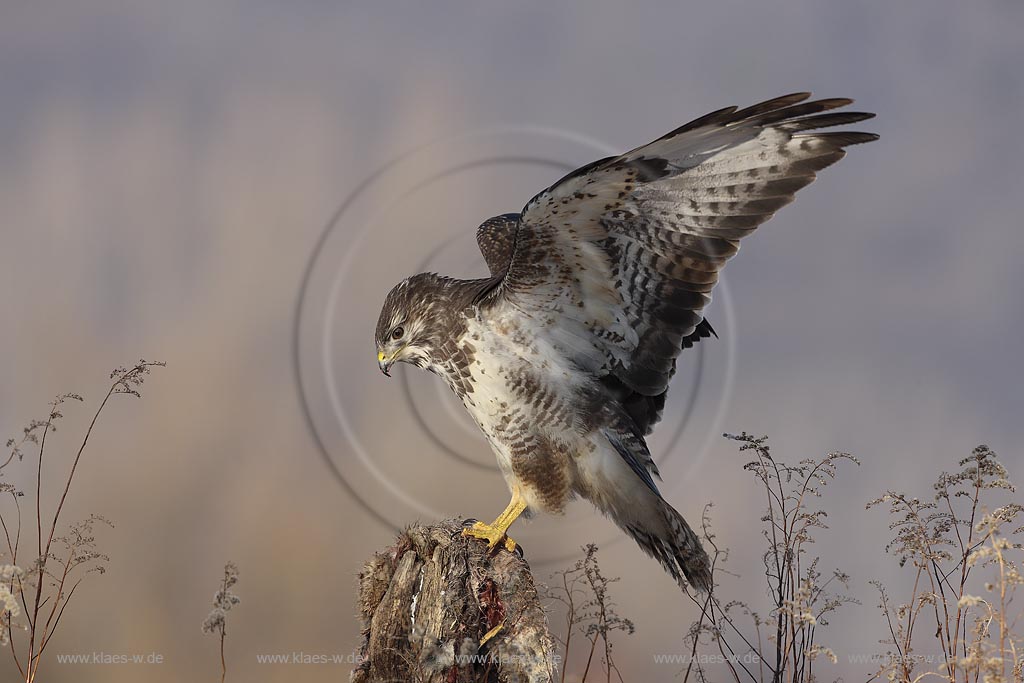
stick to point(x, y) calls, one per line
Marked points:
point(490, 634)
point(497, 531)
point(492, 534)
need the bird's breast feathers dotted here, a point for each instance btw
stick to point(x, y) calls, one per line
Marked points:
point(526, 398)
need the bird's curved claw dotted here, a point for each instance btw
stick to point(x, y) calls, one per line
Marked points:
point(495, 536)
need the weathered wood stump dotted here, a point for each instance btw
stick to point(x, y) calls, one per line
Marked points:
point(426, 603)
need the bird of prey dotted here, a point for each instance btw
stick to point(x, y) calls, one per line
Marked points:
point(564, 353)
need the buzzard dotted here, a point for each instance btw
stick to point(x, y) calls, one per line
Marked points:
point(564, 353)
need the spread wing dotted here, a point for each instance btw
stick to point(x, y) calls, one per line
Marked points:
point(616, 261)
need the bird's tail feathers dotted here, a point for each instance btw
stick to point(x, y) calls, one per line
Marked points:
point(658, 529)
point(677, 548)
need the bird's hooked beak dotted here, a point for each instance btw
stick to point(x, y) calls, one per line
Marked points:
point(384, 363)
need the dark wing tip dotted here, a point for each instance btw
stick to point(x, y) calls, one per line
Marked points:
point(836, 118)
point(719, 116)
point(844, 138)
point(835, 102)
point(796, 110)
point(771, 105)
point(792, 112)
point(861, 138)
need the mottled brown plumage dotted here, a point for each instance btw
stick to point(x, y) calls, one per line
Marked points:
point(563, 355)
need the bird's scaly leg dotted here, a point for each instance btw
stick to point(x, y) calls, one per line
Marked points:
point(495, 532)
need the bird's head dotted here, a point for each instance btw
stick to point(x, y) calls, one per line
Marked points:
point(407, 326)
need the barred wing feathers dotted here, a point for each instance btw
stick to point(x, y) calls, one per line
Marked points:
point(616, 261)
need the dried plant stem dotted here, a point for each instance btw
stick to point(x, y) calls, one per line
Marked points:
point(33, 654)
point(570, 615)
point(42, 612)
point(941, 539)
point(799, 596)
point(223, 661)
point(223, 601)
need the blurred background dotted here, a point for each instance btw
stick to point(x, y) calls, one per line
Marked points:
point(170, 187)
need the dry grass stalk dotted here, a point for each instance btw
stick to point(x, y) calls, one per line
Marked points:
point(946, 542)
point(583, 590)
point(34, 594)
point(782, 644)
point(217, 620)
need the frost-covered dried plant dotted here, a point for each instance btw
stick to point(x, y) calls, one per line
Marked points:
point(46, 580)
point(223, 600)
point(10, 592)
point(782, 645)
point(944, 541)
point(583, 590)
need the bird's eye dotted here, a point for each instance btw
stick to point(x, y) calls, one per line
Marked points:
point(398, 333)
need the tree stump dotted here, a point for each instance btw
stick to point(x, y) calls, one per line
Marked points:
point(426, 603)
